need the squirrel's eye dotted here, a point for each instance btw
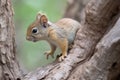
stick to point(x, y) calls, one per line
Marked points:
point(34, 30)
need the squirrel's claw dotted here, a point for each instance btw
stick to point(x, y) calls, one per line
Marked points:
point(47, 54)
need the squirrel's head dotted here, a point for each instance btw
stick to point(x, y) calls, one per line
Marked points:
point(37, 30)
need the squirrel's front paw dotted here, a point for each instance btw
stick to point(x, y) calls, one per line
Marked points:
point(61, 58)
point(49, 53)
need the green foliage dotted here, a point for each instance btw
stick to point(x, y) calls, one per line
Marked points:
point(32, 54)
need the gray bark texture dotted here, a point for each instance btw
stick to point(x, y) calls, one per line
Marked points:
point(95, 54)
point(9, 68)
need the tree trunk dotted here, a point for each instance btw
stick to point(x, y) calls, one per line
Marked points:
point(94, 56)
point(9, 68)
point(75, 9)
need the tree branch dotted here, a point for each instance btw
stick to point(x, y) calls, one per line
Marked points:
point(106, 58)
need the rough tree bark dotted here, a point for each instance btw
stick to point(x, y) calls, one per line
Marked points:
point(94, 56)
point(9, 68)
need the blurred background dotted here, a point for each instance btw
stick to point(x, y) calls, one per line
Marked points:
point(31, 55)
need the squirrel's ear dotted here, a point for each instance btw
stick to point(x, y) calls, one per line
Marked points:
point(38, 16)
point(43, 19)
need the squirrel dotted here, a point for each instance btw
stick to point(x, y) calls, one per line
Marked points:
point(60, 34)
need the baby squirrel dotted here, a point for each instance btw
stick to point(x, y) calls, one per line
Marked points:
point(60, 34)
